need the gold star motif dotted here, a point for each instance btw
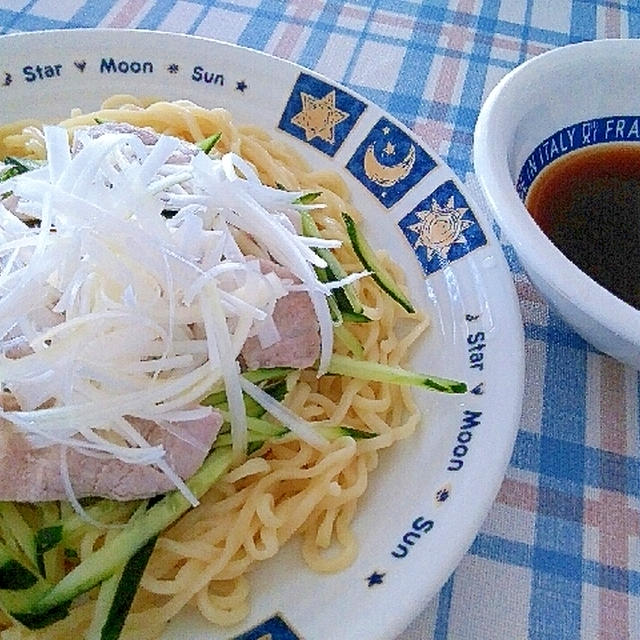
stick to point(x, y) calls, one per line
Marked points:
point(319, 116)
point(389, 149)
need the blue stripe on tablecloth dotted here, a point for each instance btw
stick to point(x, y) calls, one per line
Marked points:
point(28, 22)
point(407, 98)
point(583, 21)
point(564, 410)
point(560, 335)
point(465, 118)
point(263, 22)
point(567, 568)
point(9, 18)
point(90, 14)
point(362, 36)
point(156, 14)
point(601, 469)
point(525, 32)
point(316, 44)
point(498, 549)
point(556, 586)
point(634, 22)
point(198, 21)
point(441, 630)
point(612, 471)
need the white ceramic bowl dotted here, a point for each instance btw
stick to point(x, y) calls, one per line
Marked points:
point(568, 98)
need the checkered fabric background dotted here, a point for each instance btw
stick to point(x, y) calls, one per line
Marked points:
point(559, 555)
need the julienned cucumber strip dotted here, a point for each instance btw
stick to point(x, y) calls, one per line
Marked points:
point(273, 375)
point(334, 267)
point(359, 318)
point(104, 601)
point(364, 370)
point(308, 198)
point(347, 338)
point(20, 530)
point(13, 575)
point(262, 430)
point(370, 262)
point(276, 389)
point(334, 308)
point(331, 433)
point(114, 554)
point(126, 591)
point(20, 586)
point(208, 143)
point(41, 620)
point(46, 539)
point(104, 511)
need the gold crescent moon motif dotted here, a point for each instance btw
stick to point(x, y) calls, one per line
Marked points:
point(387, 176)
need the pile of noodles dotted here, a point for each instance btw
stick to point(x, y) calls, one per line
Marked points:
point(287, 487)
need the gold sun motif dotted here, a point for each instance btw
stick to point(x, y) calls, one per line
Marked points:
point(319, 116)
point(440, 228)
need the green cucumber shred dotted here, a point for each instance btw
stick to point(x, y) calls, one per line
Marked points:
point(346, 296)
point(377, 372)
point(117, 551)
point(124, 590)
point(370, 262)
point(208, 143)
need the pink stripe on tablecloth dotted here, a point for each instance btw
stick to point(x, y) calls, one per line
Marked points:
point(354, 12)
point(616, 522)
point(456, 37)
point(467, 6)
point(447, 78)
point(506, 44)
point(527, 291)
point(614, 615)
point(125, 15)
point(518, 494)
point(613, 407)
point(434, 133)
point(392, 20)
point(293, 32)
point(612, 22)
point(534, 49)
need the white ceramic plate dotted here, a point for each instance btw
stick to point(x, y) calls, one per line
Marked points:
point(430, 494)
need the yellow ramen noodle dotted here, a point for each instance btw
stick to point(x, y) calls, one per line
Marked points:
point(287, 487)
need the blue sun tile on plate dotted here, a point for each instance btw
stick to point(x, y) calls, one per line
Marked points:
point(442, 228)
point(389, 163)
point(274, 628)
point(320, 114)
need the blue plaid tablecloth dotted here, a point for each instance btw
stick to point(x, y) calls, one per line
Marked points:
point(559, 554)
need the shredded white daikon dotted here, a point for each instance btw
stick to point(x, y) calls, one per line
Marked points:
point(109, 309)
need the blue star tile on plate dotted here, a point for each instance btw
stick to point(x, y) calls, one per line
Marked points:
point(274, 628)
point(389, 163)
point(442, 228)
point(320, 114)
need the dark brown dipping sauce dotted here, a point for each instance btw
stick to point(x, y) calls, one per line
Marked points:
point(588, 204)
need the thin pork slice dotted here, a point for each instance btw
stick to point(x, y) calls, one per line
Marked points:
point(182, 155)
point(34, 475)
point(296, 322)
